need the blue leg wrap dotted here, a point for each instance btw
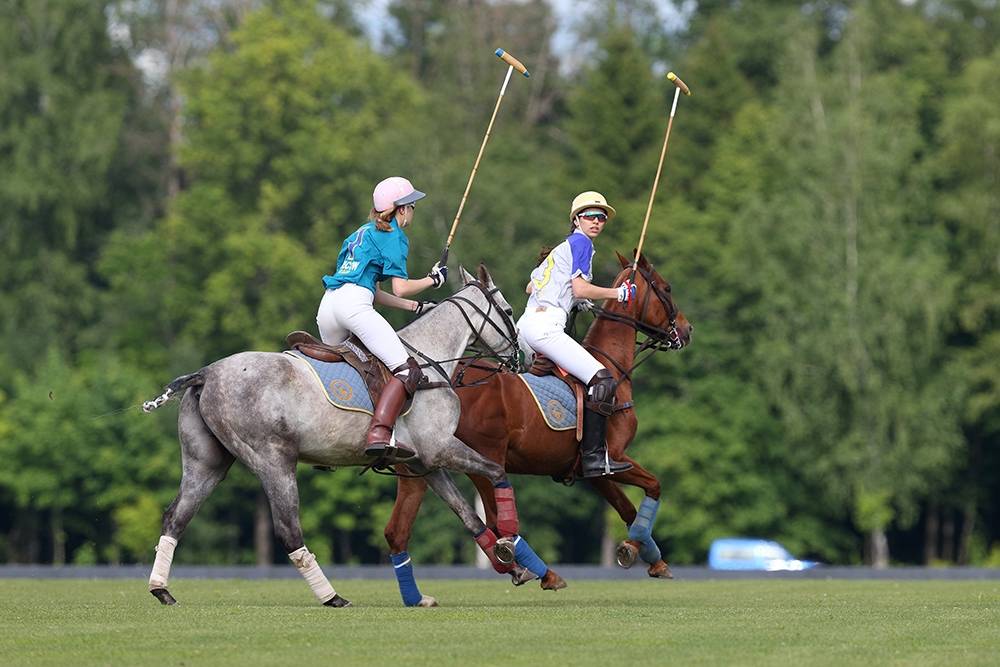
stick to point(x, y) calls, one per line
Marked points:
point(641, 530)
point(528, 559)
point(502, 485)
point(649, 552)
point(404, 575)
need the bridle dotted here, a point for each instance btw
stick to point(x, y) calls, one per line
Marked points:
point(481, 349)
point(657, 339)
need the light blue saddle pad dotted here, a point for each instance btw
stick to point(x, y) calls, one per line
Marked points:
point(344, 386)
point(554, 399)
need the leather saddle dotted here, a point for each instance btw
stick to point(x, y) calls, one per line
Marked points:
point(352, 351)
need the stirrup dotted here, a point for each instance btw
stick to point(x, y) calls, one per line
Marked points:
point(608, 468)
point(390, 454)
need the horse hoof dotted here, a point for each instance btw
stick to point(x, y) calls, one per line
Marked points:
point(427, 601)
point(163, 595)
point(337, 601)
point(521, 575)
point(627, 553)
point(552, 581)
point(504, 550)
point(660, 570)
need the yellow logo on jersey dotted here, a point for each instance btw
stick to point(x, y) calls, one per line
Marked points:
point(550, 263)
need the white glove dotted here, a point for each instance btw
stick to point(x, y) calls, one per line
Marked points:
point(438, 274)
point(626, 291)
point(424, 306)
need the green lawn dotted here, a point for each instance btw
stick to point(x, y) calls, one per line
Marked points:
point(238, 622)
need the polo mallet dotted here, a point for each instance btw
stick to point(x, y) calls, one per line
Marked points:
point(680, 87)
point(513, 63)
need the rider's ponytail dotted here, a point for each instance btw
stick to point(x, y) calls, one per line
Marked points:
point(383, 220)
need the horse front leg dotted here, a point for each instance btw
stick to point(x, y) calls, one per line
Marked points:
point(277, 475)
point(409, 495)
point(511, 546)
point(640, 542)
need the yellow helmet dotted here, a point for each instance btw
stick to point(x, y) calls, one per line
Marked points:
point(590, 199)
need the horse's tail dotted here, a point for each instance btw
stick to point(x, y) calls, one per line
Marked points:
point(195, 379)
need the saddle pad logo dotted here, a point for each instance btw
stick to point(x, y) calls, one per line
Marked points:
point(554, 400)
point(555, 408)
point(342, 384)
point(341, 390)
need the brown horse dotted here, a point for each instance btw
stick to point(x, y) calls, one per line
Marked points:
point(500, 420)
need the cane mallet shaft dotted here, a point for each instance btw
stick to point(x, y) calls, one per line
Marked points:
point(513, 64)
point(680, 87)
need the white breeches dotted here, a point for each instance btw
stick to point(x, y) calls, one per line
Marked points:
point(543, 332)
point(348, 309)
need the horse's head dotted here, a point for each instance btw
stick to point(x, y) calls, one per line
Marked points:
point(489, 316)
point(653, 310)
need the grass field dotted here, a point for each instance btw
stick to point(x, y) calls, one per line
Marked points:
point(237, 622)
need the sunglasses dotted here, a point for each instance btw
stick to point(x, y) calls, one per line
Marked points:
point(600, 217)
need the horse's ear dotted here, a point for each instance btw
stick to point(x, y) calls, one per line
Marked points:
point(466, 276)
point(643, 262)
point(484, 276)
point(624, 262)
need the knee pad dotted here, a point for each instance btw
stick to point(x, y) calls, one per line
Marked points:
point(601, 392)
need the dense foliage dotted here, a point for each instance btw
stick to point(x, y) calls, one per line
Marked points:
point(829, 219)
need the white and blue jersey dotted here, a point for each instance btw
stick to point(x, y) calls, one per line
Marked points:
point(369, 256)
point(552, 280)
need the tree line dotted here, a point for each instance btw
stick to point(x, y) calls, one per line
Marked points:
point(179, 174)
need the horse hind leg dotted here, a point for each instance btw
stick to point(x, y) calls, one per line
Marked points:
point(204, 463)
point(409, 495)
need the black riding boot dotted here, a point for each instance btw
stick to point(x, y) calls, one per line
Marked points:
point(594, 457)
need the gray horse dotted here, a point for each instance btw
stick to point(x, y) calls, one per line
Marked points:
point(267, 410)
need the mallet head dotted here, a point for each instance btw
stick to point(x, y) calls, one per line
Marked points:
point(512, 61)
point(680, 84)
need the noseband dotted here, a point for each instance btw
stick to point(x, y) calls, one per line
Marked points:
point(657, 338)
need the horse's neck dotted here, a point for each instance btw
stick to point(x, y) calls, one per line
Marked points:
point(614, 339)
point(441, 334)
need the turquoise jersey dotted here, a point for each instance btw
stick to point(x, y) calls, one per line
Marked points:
point(369, 256)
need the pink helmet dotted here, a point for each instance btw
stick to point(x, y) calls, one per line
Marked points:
point(394, 191)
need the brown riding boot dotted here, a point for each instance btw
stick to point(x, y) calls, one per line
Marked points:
point(390, 403)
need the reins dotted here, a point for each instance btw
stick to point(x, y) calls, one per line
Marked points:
point(510, 335)
point(657, 339)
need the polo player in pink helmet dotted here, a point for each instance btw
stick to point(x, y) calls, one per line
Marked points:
point(375, 252)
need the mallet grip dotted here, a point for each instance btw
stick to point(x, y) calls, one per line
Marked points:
point(680, 84)
point(512, 61)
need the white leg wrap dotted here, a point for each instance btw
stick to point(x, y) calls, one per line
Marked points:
point(305, 563)
point(161, 566)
